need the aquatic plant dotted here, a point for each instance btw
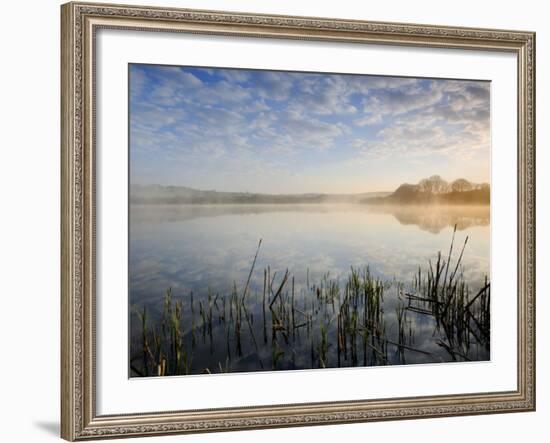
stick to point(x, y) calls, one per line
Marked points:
point(360, 320)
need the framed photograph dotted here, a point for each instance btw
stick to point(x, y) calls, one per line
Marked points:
point(282, 221)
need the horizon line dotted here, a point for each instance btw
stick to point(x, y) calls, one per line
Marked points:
point(293, 193)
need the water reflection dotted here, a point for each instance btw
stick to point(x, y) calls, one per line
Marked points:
point(428, 218)
point(208, 251)
point(435, 218)
point(177, 213)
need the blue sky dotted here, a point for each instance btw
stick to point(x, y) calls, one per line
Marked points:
point(290, 132)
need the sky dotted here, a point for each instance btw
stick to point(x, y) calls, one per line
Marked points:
point(292, 132)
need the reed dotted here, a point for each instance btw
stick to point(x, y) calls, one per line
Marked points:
point(357, 320)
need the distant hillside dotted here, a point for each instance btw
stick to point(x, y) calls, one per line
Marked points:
point(157, 194)
point(435, 190)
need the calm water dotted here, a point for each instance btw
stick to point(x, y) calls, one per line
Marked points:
point(209, 249)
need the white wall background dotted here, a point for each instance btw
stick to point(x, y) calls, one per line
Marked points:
point(29, 234)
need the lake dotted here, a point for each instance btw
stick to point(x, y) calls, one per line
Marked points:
point(229, 325)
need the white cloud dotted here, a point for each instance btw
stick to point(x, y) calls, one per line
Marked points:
point(234, 75)
point(400, 101)
point(138, 80)
point(323, 95)
point(369, 119)
point(273, 85)
point(221, 92)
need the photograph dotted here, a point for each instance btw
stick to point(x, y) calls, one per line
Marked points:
point(286, 217)
point(287, 220)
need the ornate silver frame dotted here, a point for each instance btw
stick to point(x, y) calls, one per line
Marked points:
point(80, 21)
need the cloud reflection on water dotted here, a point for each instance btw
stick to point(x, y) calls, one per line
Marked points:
point(189, 247)
point(210, 248)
